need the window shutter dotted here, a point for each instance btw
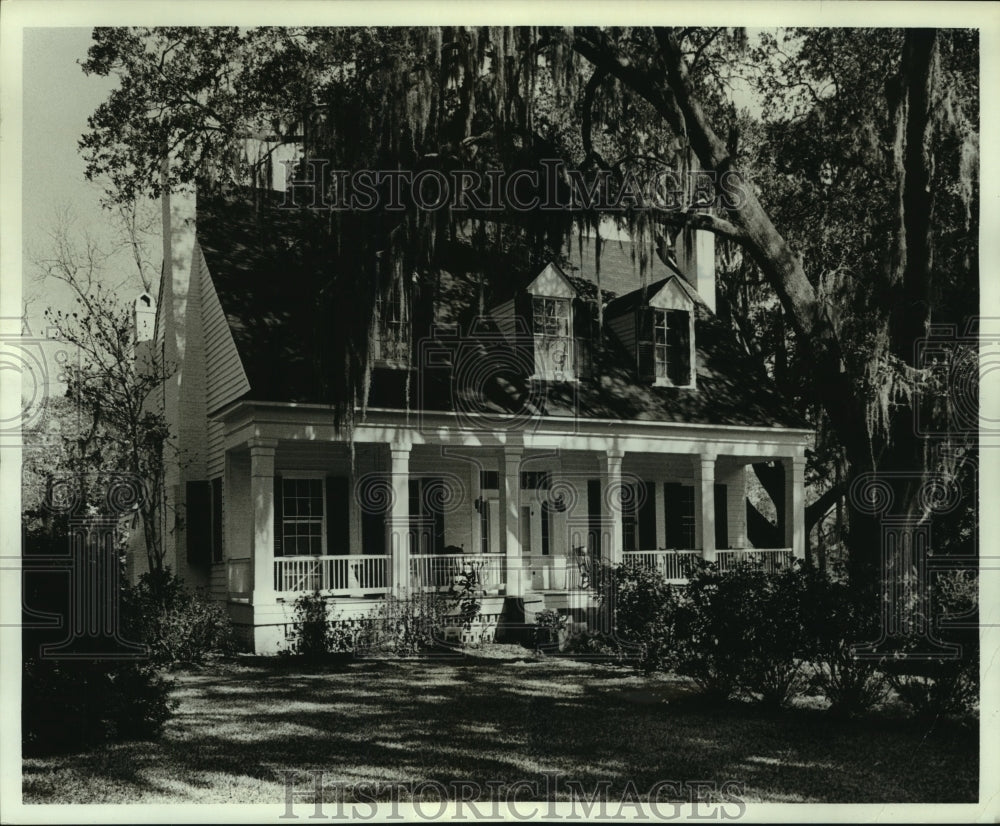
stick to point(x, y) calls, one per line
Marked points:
point(672, 511)
point(279, 516)
point(644, 344)
point(647, 518)
point(584, 337)
point(372, 530)
point(217, 519)
point(199, 523)
point(594, 517)
point(721, 518)
point(679, 347)
point(525, 329)
point(338, 526)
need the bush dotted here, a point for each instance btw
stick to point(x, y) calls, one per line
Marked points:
point(70, 705)
point(404, 626)
point(313, 634)
point(741, 632)
point(836, 621)
point(550, 627)
point(935, 686)
point(644, 610)
point(179, 626)
point(596, 645)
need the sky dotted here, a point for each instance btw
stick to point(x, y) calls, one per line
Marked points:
point(58, 98)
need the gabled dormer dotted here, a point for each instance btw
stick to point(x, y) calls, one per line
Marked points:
point(656, 326)
point(541, 320)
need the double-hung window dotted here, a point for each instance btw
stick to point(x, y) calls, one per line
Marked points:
point(671, 346)
point(552, 328)
point(302, 507)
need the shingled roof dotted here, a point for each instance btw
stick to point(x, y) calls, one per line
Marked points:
point(268, 294)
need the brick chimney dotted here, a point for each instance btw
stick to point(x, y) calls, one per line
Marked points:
point(696, 260)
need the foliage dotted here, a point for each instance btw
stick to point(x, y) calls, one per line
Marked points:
point(69, 705)
point(110, 421)
point(741, 632)
point(313, 634)
point(467, 592)
point(644, 611)
point(181, 627)
point(836, 621)
point(550, 626)
point(594, 644)
point(948, 683)
point(404, 626)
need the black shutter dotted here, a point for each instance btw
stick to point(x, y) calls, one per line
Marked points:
point(645, 354)
point(525, 329)
point(545, 528)
point(647, 518)
point(338, 526)
point(594, 517)
point(584, 337)
point(217, 519)
point(279, 517)
point(674, 507)
point(373, 529)
point(721, 518)
point(629, 519)
point(199, 523)
point(679, 347)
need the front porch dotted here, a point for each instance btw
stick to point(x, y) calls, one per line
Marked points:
point(405, 509)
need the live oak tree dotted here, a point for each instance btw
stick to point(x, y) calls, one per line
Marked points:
point(853, 219)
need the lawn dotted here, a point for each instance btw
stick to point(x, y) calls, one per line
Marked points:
point(240, 725)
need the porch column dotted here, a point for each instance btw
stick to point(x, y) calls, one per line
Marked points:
point(611, 506)
point(262, 516)
point(397, 525)
point(510, 512)
point(795, 509)
point(704, 504)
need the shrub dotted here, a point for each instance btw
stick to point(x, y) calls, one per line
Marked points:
point(70, 705)
point(644, 610)
point(313, 634)
point(741, 632)
point(180, 627)
point(837, 620)
point(935, 686)
point(595, 645)
point(549, 628)
point(404, 626)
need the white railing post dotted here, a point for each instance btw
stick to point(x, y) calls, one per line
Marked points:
point(795, 512)
point(262, 515)
point(398, 522)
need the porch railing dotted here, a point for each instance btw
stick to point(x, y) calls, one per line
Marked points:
point(770, 559)
point(669, 564)
point(440, 572)
point(239, 573)
point(353, 575)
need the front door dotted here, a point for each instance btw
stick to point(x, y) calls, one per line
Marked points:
point(542, 559)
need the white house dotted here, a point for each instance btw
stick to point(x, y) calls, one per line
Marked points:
point(522, 438)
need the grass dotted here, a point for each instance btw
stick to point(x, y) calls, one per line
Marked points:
point(240, 724)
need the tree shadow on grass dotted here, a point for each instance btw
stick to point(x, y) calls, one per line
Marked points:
point(238, 734)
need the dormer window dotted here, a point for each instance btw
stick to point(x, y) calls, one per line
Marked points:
point(672, 347)
point(392, 335)
point(552, 327)
point(656, 325)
